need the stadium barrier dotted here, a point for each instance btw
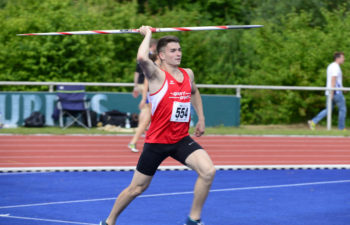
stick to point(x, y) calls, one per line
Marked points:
point(238, 89)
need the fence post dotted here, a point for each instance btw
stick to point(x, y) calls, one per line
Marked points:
point(329, 111)
point(238, 92)
point(51, 88)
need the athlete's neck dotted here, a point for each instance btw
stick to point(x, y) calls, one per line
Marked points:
point(169, 68)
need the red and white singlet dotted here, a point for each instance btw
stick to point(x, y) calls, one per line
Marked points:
point(171, 109)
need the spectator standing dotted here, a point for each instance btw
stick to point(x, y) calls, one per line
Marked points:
point(334, 80)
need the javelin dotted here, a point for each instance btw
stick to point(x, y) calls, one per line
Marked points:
point(155, 30)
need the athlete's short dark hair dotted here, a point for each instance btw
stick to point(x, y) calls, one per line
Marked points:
point(338, 55)
point(162, 42)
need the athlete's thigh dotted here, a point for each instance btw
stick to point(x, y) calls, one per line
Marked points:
point(151, 157)
point(185, 147)
point(199, 161)
point(141, 180)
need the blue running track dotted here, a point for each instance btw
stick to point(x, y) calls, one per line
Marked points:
point(242, 197)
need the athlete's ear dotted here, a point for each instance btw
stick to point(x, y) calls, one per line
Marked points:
point(161, 55)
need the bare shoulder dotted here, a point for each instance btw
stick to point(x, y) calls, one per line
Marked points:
point(190, 73)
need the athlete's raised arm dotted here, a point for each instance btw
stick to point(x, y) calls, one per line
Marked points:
point(150, 69)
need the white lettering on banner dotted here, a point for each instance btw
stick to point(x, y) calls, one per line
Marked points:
point(14, 113)
point(50, 105)
point(181, 112)
point(31, 103)
point(96, 103)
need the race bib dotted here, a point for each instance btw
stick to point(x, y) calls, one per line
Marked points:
point(181, 112)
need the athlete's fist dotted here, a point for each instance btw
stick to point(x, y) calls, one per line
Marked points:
point(200, 127)
point(145, 29)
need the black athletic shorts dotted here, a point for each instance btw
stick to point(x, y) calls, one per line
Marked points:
point(154, 154)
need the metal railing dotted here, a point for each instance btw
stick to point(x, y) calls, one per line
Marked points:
point(210, 86)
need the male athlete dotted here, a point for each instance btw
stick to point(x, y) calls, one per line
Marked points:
point(172, 91)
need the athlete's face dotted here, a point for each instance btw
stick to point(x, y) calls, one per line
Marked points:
point(172, 54)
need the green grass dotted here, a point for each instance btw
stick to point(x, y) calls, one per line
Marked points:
point(221, 130)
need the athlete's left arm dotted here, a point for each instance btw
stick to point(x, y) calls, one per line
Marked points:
point(197, 104)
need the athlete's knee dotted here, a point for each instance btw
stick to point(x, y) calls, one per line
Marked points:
point(136, 190)
point(211, 173)
point(208, 174)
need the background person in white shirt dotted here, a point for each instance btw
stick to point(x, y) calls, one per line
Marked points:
point(334, 80)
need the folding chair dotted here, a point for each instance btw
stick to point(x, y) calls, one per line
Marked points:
point(72, 103)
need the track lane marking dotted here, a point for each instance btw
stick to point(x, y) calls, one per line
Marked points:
point(184, 193)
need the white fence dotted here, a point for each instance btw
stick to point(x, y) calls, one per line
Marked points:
point(238, 89)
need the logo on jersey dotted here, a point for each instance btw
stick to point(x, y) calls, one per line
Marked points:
point(180, 95)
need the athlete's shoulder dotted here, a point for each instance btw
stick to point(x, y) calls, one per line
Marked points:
point(189, 72)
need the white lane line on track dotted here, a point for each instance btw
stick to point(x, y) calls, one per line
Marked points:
point(184, 193)
point(22, 173)
point(40, 219)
